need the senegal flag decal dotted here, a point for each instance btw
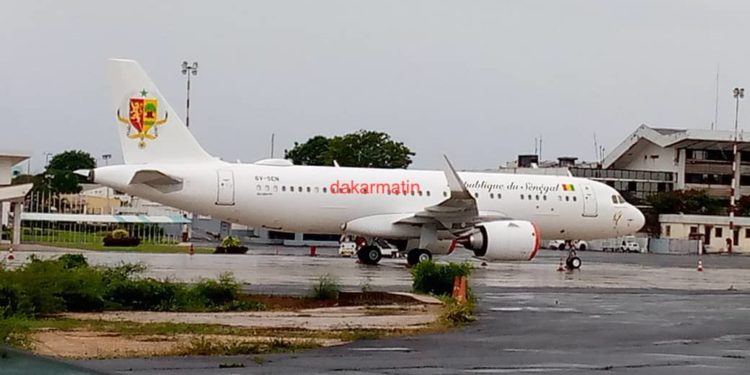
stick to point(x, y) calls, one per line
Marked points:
point(568, 187)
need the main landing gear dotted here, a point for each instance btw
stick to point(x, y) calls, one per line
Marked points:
point(369, 254)
point(415, 256)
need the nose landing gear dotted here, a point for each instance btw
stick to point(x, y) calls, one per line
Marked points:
point(573, 262)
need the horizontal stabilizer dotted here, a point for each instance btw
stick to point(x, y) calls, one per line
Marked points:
point(157, 180)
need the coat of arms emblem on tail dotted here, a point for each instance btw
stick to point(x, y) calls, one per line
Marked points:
point(143, 117)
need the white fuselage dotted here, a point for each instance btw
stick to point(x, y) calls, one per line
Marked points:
point(308, 198)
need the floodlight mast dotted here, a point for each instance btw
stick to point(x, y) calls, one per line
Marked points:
point(738, 94)
point(188, 70)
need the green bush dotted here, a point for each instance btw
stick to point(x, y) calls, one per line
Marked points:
point(70, 261)
point(144, 294)
point(326, 289)
point(119, 234)
point(218, 292)
point(68, 283)
point(230, 241)
point(437, 278)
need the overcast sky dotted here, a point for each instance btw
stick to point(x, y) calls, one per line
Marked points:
point(477, 80)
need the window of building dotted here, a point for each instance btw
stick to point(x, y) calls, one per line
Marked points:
point(718, 232)
point(747, 232)
point(693, 230)
point(668, 230)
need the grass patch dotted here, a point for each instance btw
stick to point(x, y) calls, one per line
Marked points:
point(327, 289)
point(203, 346)
point(455, 314)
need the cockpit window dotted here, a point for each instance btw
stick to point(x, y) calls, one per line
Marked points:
point(618, 199)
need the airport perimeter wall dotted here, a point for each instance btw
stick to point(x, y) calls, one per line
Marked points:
point(673, 246)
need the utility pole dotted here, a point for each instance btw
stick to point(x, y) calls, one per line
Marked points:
point(738, 94)
point(188, 70)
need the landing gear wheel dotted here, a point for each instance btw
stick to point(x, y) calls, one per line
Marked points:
point(417, 256)
point(369, 255)
point(573, 263)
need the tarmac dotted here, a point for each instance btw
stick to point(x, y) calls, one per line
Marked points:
point(620, 313)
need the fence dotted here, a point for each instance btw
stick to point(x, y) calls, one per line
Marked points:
point(60, 219)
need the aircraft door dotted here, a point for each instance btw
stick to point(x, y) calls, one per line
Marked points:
point(590, 205)
point(225, 188)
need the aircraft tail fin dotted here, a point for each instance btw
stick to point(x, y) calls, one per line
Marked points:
point(150, 130)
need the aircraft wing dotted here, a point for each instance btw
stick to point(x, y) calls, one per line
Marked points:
point(458, 213)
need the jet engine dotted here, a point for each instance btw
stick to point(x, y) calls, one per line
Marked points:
point(504, 240)
point(439, 247)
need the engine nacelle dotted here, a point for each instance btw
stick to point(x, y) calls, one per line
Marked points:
point(439, 247)
point(505, 240)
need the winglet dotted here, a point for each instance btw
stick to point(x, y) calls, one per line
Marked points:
point(457, 187)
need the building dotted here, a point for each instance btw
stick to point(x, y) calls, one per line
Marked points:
point(11, 197)
point(712, 231)
point(695, 158)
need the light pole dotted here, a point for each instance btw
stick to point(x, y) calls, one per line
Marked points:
point(188, 70)
point(106, 158)
point(738, 94)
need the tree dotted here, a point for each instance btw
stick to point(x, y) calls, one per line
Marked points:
point(364, 148)
point(686, 202)
point(61, 167)
point(312, 152)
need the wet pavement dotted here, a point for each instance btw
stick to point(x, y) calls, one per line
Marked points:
point(620, 313)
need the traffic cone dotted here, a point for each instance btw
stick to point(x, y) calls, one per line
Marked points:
point(456, 287)
point(561, 268)
point(700, 265)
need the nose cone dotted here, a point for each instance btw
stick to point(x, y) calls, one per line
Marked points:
point(638, 220)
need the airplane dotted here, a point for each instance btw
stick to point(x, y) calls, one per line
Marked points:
point(500, 217)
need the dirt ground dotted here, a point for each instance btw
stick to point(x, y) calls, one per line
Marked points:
point(87, 344)
point(413, 315)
